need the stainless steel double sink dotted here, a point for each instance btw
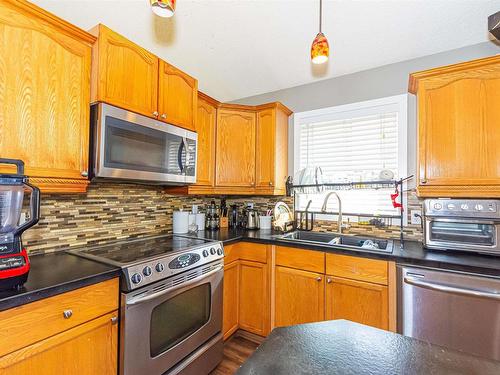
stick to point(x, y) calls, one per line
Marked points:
point(336, 240)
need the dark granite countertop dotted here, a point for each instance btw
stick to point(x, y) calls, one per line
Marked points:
point(412, 252)
point(344, 347)
point(56, 273)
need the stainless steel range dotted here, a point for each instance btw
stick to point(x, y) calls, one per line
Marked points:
point(171, 303)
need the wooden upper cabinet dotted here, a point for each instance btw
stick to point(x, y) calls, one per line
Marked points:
point(271, 166)
point(299, 296)
point(235, 162)
point(206, 120)
point(124, 74)
point(177, 97)
point(459, 122)
point(44, 96)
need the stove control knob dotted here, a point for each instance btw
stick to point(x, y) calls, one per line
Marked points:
point(205, 253)
point(451, 206)
point(212, 251)
point(479, 207)
point(464, 206)
point(136, 278)
point(219, 251)
point(438, 206)
point(159, 267)
point(147, 271)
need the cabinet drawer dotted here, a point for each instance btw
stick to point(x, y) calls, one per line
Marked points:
point(27, 324)
point(252, 251)
point(307, 260)
point(245, 251)
point(357, 268)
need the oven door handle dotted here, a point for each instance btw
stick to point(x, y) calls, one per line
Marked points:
point(168, 290)
point(450, 289)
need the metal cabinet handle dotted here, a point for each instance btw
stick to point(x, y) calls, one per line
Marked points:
point(270, 183)
point(155, 113)
point(451, 289)
point(329, 281)
point(67, 314)
point(114, 320)
point(163, 116)
point(85, 173)
point(318, 279)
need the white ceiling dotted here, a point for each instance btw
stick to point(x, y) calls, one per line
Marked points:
point(239, 48)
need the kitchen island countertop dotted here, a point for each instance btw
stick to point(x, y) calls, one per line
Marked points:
point(344, 347)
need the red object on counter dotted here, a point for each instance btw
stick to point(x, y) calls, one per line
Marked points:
point(394, 196)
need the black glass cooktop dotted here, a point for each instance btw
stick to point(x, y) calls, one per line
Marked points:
point(130, 251)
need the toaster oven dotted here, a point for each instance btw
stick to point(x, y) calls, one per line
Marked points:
point(462, 224)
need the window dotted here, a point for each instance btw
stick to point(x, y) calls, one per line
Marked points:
point(353, 142)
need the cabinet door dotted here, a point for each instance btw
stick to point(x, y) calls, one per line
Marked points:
point(299, 296)
point(90, 348)
point(44, 97)
point(177, 96)
point(265, 154)
point(126, 74)
point(235, 148)
point(230, 299)
point(459, 140)
point(205, 127)
point(358, 301)
point(254, 298)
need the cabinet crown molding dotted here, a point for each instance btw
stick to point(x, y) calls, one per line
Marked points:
point(430, 73)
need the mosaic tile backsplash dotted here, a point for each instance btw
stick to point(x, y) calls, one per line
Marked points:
point(110, 211)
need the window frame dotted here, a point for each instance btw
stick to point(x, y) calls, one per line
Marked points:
point(396, 103)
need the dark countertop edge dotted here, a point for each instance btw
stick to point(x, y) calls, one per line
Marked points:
point(54, 290)
point(399, 259)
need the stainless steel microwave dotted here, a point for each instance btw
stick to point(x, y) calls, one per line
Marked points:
point(128, 146)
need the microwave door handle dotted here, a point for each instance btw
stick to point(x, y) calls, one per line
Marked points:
point(179, 156)
point(168, 290)
point(450, 289)
point(184, 141)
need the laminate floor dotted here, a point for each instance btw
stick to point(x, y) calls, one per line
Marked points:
point(236, 350)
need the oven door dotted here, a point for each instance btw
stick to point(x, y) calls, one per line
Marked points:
point(168, 320)
point(135, 147)
point(462, 234)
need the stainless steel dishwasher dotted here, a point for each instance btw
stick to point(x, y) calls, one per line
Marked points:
point(457, 310)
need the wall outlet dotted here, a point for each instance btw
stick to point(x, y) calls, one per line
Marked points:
point(250, 205)
point(416, 218)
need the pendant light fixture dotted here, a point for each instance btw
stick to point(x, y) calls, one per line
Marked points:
point(320, 48)
point(163, 8)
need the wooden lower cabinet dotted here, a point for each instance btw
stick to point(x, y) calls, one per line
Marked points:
point(358, 301)
point(299, 296)
point(90, 348)
point(72, 333)
point(231, 297)
point(254, 298)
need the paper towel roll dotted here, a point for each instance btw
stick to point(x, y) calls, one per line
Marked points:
point(181, 222)
point(200, 221)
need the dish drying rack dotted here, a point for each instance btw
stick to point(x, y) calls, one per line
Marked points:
point(307, 216)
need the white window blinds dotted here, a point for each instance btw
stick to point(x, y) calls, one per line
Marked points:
point(353, 143)
point(351, 149)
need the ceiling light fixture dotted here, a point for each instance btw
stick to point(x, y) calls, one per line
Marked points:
point(163, 8)
point(320, 48)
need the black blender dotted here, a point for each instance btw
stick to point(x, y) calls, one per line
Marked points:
point(14, 263)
